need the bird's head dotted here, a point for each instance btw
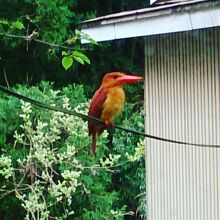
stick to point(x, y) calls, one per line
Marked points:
point(118, 78)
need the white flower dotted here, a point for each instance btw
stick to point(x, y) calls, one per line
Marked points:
point(111, 161)
point(6, 169)
point(139, 152)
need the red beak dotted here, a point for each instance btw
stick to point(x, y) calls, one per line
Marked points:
point(129, 79)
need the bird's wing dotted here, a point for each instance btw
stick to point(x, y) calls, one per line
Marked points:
point(96, 108)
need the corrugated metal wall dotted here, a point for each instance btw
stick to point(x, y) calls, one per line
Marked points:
point(183, 103)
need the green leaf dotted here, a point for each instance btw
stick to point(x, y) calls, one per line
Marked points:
point(79, 60)
point(3, 21)
point(78, 32)
point(67, 62)
point(81, 56)
point(85, 36)
point(18, 25)
point(64, 53)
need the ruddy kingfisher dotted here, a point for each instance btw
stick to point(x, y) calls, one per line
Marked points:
point(108, 102)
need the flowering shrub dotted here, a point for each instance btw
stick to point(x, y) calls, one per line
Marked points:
point(6, 166)
point(46, 164)
point(139, 152)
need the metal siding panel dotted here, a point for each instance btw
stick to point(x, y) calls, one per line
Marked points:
point(148, 108)
point(183, 103)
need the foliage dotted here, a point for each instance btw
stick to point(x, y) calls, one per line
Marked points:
point(38, 30)
point(132, 173)
point(112, 185)
point(67, 60)
point(110, 6)
point(51, 19)
point(56, 22)
point(47, 170)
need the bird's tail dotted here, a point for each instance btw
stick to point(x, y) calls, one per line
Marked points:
point(94, 143)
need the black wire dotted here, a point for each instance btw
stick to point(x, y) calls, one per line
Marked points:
point(89, 117)
point(42, 105)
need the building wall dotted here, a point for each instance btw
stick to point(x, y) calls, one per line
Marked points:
point(183, 103)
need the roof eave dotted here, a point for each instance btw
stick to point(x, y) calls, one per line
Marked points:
point(144, 22)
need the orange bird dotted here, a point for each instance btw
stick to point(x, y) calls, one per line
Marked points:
point(108, 102)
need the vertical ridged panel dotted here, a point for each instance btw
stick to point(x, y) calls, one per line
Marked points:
point(183, 103)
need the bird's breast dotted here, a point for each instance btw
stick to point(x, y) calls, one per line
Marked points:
point(113, 104)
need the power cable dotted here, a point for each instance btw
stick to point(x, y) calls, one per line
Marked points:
point(89, 117)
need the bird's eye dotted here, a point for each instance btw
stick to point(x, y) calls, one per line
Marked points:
point(115, 77)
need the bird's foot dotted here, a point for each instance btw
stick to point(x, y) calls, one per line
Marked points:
point(109, 124)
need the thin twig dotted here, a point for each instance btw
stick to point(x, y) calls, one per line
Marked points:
point(31, 38)
point(6, 80)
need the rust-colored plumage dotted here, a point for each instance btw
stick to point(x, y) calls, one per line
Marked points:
point(108, 102)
